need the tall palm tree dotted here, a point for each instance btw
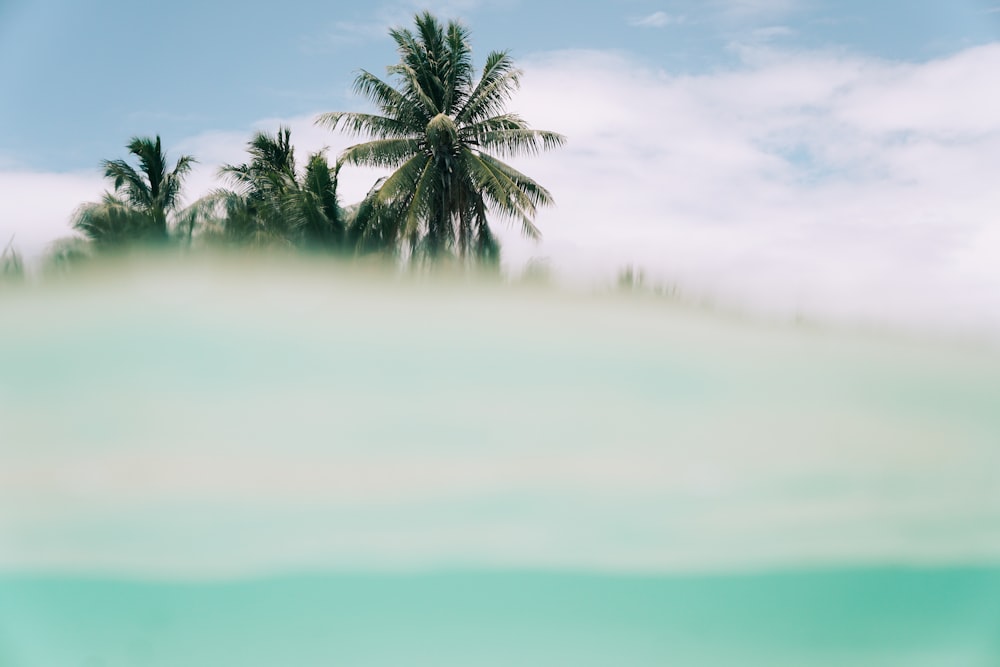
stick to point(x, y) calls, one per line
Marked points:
point(270, 203)
point(441, 131)
point(142, 200)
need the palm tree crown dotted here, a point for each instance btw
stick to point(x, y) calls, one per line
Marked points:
point(440, 131)
point(142, 200)
point(271, 168)
point(152, 189)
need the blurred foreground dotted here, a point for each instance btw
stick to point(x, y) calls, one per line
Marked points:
point(687, 480)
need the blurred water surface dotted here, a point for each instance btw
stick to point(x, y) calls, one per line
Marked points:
point(683, 484)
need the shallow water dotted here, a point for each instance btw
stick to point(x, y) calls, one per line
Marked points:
point(851, 617)
point(725, 490)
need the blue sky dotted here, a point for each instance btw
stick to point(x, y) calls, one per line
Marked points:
point(796, 154)
point(79, 77)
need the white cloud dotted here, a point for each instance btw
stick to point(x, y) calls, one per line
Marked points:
point(35, 207)
point(656, 20)
point(818, 182)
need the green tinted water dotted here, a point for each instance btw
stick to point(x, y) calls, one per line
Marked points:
point(215, 431)
point(855, 617)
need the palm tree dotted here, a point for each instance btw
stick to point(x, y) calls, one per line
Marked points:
point(440, 131)
point(143, 198)
point(271, 204)
point(374, 226)
point(314, 209)
point(271, 168)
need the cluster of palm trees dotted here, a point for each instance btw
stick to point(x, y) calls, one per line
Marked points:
point(271, 202)
point(438, 130)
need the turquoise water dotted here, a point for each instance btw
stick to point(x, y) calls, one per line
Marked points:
point(197, 464)
point(885, 617)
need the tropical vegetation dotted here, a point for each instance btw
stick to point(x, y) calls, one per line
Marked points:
point(440, 132)
point(143, 200)
point(270, 202)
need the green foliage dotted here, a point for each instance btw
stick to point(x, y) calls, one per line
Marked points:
point(113, 223)
point(440, 130)
point(270, 204)
point(142, 201)
point(315, 209)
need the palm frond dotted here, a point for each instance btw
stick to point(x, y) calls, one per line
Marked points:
point(152, 161)
point(512, 142)
point(403, 181)
point(512, 194)
point(458, 67)
point(390, 101)
point(363, 124)
point(129, 183)
point(498, 83)
point(113, 222)
point(415, 90)
point(384, 153)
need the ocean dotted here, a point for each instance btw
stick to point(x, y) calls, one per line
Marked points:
point(220, 463)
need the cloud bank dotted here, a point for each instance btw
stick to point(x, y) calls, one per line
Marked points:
point(801, 181)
